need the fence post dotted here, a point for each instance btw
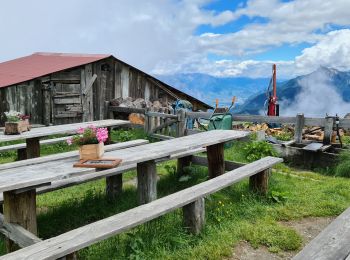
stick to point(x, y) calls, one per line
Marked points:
point(181, 124)
point(298, 130)
point(147, 121)
point(328, 130)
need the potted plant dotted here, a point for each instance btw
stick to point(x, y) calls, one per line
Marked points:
point(16, 123)
point(90, 141)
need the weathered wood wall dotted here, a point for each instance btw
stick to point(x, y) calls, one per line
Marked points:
point(78, 94)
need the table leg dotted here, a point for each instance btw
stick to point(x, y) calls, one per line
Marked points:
point(182, 163)
point(33, 148)
point(216, 160)
point(146, 182)
point(20, 209)
point(114, 186)
point(21, 154)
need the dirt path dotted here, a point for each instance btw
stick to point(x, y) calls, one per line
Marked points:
point(308, 228)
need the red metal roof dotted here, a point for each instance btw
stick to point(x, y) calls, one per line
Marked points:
point(40, 64)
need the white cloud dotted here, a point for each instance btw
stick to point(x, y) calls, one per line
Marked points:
point(158, 36)
point(332, 51)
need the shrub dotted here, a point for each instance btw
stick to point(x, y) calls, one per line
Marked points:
point(343, 167)
point(258, 149)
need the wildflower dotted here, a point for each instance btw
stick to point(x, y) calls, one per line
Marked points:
point(70, 141)
point(102, 134)
point(80, 130)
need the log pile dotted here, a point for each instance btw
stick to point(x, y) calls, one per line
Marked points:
point(309, 133)
point(134, 118)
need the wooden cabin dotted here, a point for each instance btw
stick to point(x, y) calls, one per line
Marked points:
point(57, 88)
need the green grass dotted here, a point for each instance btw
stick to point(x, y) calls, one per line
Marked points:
point(232, 215)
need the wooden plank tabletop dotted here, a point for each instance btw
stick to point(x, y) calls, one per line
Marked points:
point(60, 129)
point(19, 177)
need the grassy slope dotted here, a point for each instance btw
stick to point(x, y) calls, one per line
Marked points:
point(232, 214)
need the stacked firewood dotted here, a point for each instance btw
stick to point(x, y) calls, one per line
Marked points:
point(135, 118)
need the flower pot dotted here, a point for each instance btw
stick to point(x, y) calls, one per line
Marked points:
point(91, 151)
point(13, 128)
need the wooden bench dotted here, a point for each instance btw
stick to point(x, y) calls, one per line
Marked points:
point(190, 199)
point(21, 180)
point(68, 182)
point(332, 243)
point(21, 148)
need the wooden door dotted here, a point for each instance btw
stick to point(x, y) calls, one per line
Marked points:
point(66, 103)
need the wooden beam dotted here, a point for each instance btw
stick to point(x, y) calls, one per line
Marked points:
point(164, 125)
point(33, 147)
point(89, 84)
point(181, 124)
point(182, 163)
point(298, 129)
point(127, 110)
point(20, 209)
point(203, 161)
point(194, 216)
point(328, 130)
point(332, 243)
point(146, 182)
point(260, 181)
point(114, 186)
point(82, 237)
point(216, 161)
point(16, 233)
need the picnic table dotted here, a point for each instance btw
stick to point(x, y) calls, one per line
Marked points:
point(19, 180)
point(32, 137)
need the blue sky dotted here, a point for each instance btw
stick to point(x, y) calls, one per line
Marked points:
point(230, 38)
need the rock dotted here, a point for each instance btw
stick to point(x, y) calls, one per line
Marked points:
point(140, 103)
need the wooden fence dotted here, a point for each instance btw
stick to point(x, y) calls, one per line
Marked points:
point(159, 124)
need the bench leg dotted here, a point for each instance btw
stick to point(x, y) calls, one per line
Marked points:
point(20, 209)
point(109, 139)
point(216, 160)
point(260, 181)
point(146, 182)
point(182, 163)
point(114, 186)
point(33, 148)
point(22, 154)
point(194, 216)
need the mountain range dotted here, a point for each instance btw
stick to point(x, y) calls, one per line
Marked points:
point(323, 91)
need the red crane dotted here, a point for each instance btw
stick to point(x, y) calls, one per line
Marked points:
point(273, 106)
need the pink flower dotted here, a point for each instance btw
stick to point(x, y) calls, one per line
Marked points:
point(93, 128)
point(102, 134)
point(70, 141)
point(80, 130)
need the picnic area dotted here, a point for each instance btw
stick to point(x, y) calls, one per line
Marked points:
point(210, 195)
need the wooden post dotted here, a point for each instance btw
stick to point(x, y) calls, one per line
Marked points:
point(20, 209)
point(114, 186)
point(33, 147)
point(181, 124)
point(216, 160)
point(146, 182)
point(194, 216)
point(147, 121)
point(182, 163)
point(299, 125)
point(21, 154)
point(260, 182)
point(328, 130)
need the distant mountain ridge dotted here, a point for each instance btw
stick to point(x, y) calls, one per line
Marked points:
point(207, 88)
point(291, 90)
point(322, 91)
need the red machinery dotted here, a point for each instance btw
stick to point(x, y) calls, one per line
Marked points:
point(272, 103)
